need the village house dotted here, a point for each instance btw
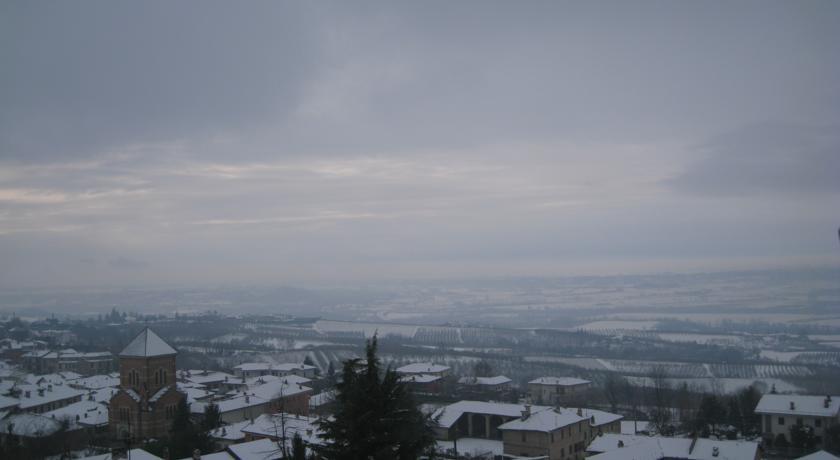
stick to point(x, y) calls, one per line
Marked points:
point(780, 412)
point(552, 433)
point(248, 370)
point(69, 360)
point(557, 390)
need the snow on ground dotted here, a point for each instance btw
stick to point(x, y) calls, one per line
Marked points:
point(781, 356)
point(616, 325)
point(701, 338)
point(633, 426)
point(384, 330)
point(723, 385)
point(474, 446)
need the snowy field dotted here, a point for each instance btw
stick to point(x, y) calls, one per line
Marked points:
point(368, 329)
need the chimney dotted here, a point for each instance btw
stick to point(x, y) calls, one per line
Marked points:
point(620, 443)
point(27, 393)
point(527, 412)
point(792, 406)
point(827, 402)
point(715, 451)
point(580, 412)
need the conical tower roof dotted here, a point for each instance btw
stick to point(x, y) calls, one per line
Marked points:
point(147, 344)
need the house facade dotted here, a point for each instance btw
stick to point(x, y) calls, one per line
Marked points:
point(780, 412)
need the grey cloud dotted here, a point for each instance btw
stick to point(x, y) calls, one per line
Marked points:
point(770, 158)
point(86, 77)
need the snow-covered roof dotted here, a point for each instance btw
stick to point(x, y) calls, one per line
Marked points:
point(422, 368)
point(657, 448)
point(563, 381)
point(102, 394)
point(133, 394)
point(799, 405)
point(419, 378)
point(596, 417)
point(223, 455)
point(36, 395)
point(819, 455)
point(7, 402)
point(545, 421)
point(230, 404)
point(29, 425)
point(159, 394)
point(232, 432)
point(205, 377)
point(147, 344)
point(489, 381)
point(194, 394)
point(95, 382)
point(276, 389)
point(451, 413)
point(90, 413)
point(609, 441)
point(272, 426)
point(263, 379)
point(261, 449)
point(57, 378)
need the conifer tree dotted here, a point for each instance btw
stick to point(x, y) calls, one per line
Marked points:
point(376, 416)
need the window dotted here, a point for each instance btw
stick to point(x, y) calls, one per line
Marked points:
point(160, 377)
point(781, 420)
point(817, 422)
point(523, 437)
point(125, 414)
point(170, 411)
point(552, 437)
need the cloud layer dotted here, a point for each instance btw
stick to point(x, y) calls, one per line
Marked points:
point(205, 142)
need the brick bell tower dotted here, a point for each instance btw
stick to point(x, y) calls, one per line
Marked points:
point(148, 397)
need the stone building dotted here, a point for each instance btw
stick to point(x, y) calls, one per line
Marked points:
point(148, 398)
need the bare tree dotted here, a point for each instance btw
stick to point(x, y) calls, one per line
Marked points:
point(660, 415)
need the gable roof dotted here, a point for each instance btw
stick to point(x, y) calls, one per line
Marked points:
point(147, 344)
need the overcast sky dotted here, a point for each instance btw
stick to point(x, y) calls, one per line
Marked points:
point(317, 142)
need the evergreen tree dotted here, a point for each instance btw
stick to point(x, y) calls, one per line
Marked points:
point(483, 369)
point(709, 415)
point(376, 416)
point(212, 418)
point(185, 436)
point(748, 399)
point(802, 437)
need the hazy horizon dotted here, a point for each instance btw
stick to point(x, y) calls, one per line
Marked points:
point(318, 143)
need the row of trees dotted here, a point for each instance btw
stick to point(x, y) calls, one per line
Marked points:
point(683, 409)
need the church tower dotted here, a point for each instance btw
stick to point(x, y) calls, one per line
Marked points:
point(148, 397)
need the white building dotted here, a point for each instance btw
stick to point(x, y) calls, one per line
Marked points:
point(780, 412)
